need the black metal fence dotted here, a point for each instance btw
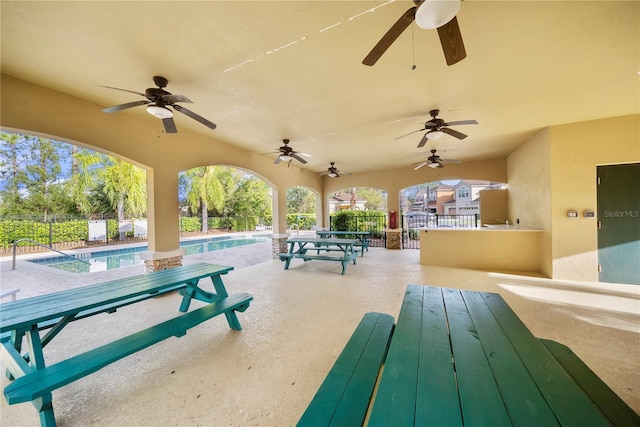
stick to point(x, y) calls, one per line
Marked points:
point(64, 232)
point(412, 222)
point(374, 224)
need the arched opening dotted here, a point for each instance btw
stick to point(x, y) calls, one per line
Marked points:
point(450, 204)
point(359, 209)
point(302, 208)
point(217, 198)
point(66, 196)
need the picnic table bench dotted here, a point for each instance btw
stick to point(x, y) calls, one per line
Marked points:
point(23, 321)
point(458, 358)
point(362, 237)
point(304, 248)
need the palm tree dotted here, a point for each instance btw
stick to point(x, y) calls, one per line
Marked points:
point(205, 191)
point(83, 177)
point(125, 187)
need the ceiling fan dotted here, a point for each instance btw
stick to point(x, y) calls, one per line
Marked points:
point(158, 100)
point(287, 154)
point(333, 172)
point(428, 14)
point(436, 128)
point(433, 161)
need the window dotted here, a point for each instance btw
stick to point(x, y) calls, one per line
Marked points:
point(463, 192)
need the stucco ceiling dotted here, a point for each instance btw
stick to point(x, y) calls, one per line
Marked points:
point(268, 70)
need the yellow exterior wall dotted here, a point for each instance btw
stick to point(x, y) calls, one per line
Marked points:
point(530, 191)
point(556, 172)
point(482, 249)
point(494, 206)
point(576, 150)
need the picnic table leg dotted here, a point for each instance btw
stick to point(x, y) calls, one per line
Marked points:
point(44, 405)
point(221, 291)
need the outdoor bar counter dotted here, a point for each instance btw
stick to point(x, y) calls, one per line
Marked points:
point(490, 247)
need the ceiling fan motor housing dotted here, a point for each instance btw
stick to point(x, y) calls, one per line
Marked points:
point(155, 94)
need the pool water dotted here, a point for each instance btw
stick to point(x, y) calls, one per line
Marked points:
point(120, 258)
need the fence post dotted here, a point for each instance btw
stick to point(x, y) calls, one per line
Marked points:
point(50, 234)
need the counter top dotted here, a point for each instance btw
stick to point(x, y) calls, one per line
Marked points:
point(486, 227)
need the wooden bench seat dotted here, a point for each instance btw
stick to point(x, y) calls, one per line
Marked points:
point(344, 396)
point(38, 383)
point(618, 412)
point(307, 256)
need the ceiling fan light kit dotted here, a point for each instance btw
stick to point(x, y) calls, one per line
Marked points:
point(159, 112)
point(333, 172)
point(434, 165)
point(435, 134)
point(432, 14)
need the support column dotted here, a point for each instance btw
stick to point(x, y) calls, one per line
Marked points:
point(163, 221)
point(280, 235)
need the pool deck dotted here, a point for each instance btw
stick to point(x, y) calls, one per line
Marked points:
point(297, 325)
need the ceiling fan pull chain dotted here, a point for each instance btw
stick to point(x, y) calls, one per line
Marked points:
point(413, 49)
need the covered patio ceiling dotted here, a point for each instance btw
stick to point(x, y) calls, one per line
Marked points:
point(268, 70)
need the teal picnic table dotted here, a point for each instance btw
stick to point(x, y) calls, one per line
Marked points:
point(460, 358)
point(361, 236)
point(28, 325)
point(315, 248)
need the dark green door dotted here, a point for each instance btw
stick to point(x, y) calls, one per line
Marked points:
point(619, 223)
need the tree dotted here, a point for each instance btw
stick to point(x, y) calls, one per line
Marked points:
point(43, 173)
point(83, 179)
point(204, 189)
point(375, 199)
point(11, 171)
point(252, 199)
point(125, 187)
point(300, 200)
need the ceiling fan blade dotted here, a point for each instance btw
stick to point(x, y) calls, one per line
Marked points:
point(125, 106)
point(461, 122)
point(390, 36)
point(450, 161)
point(419, 130)
point(421, 164)
point(169, 125)
point(298, 158)
point(423, 141)
point(454, 133)
point(303, 154)
point(344, 172)
point(170, 99)
point(195, 116)
point(124, 90)
point(277, 160)
point(451, 41)
point(440, 165)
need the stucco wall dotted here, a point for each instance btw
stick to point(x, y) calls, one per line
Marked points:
point(576, 150)
point(529, 200)
point(556, 172)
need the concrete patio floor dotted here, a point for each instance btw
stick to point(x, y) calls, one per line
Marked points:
point(298, 322)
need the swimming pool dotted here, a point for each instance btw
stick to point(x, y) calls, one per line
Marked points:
point(127, 257)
